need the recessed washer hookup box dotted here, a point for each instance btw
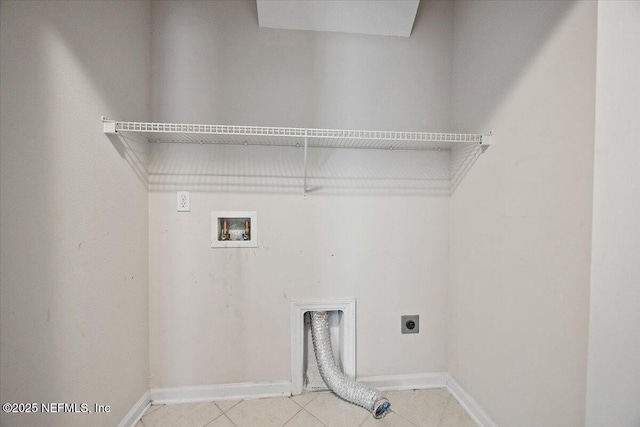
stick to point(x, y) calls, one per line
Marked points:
point(234, 229)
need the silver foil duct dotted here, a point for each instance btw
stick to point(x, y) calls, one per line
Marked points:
point(345, 387)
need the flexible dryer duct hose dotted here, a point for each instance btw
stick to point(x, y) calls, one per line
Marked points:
point(345, 387)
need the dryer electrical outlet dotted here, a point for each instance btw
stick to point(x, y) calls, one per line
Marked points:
point(410, 324)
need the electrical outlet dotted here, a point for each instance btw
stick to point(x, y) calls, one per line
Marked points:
point(410, 324)
point(184, 202)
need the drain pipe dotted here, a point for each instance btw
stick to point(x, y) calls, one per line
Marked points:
point(345, 387)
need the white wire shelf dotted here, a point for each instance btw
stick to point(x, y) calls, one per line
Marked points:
point(287, 136)
point(465, 147)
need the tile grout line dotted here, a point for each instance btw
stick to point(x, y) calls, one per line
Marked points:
point(221, 415)
point(152, 409)
point(233, 423)
point(224, 411)
point(334, 395)
point(214, 418)
point(404, 418)
point(319, 420)
point(155, 411)
point(303, 406)
point(365, 420)
point(296, 402)
point(293, 416)
point(316, 394)
point(445, 409)
point(230, 420)
point(218, 417)
point(156, 407)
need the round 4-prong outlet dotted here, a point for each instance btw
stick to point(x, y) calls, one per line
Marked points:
point(410, 324)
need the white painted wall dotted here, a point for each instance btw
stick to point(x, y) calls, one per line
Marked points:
point(377, 234)
point(212, 64)
point(73, 218)
point(613, 380)
point(521, 220)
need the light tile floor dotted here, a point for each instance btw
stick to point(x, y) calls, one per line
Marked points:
point(426, 408)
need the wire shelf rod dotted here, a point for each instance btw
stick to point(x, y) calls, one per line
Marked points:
point(341, 136)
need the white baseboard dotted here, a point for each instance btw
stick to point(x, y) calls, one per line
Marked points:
point(472, 407)
point(407, 381)
point(135, 413)
point(208, 393)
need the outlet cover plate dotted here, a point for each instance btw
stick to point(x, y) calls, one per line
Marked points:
point(184, 201)
point(410, 324)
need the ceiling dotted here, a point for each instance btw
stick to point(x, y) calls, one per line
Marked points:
point(378, 17)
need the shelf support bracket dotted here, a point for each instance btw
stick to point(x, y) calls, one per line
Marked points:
point(485, 141)
point(109, 126)
point(304, 192)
